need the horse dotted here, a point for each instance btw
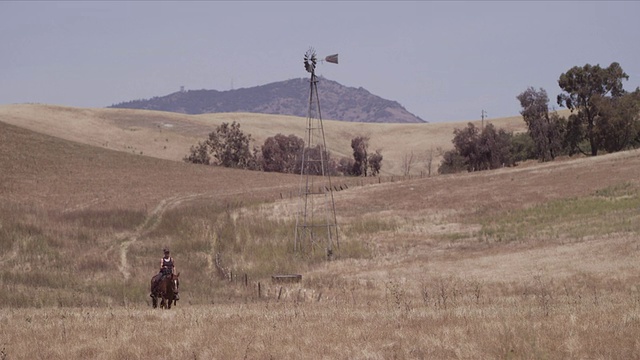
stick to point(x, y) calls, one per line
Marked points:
point(166, 290)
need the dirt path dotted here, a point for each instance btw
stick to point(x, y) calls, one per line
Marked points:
point(150, 223)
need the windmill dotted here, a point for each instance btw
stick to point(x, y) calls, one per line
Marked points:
point(316, 224)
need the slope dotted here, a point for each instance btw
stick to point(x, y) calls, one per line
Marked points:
point(169, 136)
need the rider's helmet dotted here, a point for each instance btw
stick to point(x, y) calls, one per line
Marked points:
point(166, 250)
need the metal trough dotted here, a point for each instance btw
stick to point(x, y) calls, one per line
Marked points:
point(286, 278)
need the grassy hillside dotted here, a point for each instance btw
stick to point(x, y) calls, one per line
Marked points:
point(528, 262)
point(169, 136)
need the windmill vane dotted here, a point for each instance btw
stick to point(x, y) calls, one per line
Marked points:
point(310, 60)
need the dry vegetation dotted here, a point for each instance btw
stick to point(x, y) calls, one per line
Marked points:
point(169, 136)
point(538, 261)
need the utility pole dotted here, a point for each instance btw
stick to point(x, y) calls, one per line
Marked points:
point(484, 114)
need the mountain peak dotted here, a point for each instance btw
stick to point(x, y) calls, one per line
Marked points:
point(289, 97)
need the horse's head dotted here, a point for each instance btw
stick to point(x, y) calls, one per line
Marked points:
point(175, 281)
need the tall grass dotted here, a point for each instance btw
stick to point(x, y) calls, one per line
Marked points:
point(247, 240)
point(609, 210)
point(451, 318)
point(115, 219)
point(51, 256)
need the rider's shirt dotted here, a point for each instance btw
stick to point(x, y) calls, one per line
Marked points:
point(167, 263)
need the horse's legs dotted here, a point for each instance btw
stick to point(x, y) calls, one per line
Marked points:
point(155, 301)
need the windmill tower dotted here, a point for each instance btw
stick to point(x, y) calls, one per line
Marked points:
point(316, 224)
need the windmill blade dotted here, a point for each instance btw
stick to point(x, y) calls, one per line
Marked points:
point(310, 60)
point(332, 59)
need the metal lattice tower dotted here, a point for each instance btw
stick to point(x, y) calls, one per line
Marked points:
point(316, 224)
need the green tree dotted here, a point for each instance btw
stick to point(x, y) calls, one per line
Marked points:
point(522, 148)
point(465, 142)
point(360, 147)
point(452, 162)
point(345, 166)
point(228, 145)
point(619, 122)
point(364, 164)
point(478, 150)
point(199, 154)
point(282, 153)
point(375, 163)
point(584, 87)
point(494, 148)
point(315, 157)
point(545, 130)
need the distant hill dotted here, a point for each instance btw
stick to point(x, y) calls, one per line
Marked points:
point(290, 97)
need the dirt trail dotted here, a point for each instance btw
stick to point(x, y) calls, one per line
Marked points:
point(150, 223)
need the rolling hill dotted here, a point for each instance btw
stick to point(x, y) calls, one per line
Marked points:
point(167, 135)
point(533, 261)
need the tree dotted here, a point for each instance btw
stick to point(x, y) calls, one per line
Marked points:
point(465, 142)
point(360, 145)
point(545, 130)
point(429, 159)
point(230, 146)
point(475, 150)
point(375, 163)
point(494, 148)
point(619, 122)
point(282, 153)
point(408, 161)
point(199, 154)
point(345, 166)
point(314, 158)
point(452, 162)
point(583, 89)
point(522, 148)
point(364, 164)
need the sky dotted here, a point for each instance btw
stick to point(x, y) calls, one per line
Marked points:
point(441, 60)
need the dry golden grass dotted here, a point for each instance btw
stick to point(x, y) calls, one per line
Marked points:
point(537, 261)
point(169, 136)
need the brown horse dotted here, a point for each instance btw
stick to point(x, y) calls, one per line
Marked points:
point(166, 290)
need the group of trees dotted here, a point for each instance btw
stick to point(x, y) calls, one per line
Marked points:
point(604, 117)
point(363, 163)
point(478, 149)
point(229, 146)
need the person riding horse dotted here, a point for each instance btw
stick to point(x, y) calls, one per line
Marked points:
point(167, 267)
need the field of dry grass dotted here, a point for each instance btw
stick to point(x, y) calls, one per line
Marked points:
point(537, 261)
point(169, 136)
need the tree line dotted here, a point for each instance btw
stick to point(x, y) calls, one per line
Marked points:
point(604, 118)
point(229, 146)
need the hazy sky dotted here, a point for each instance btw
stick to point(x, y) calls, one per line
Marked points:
point(442, 61)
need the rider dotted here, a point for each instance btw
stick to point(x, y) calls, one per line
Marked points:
point(167, 267)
